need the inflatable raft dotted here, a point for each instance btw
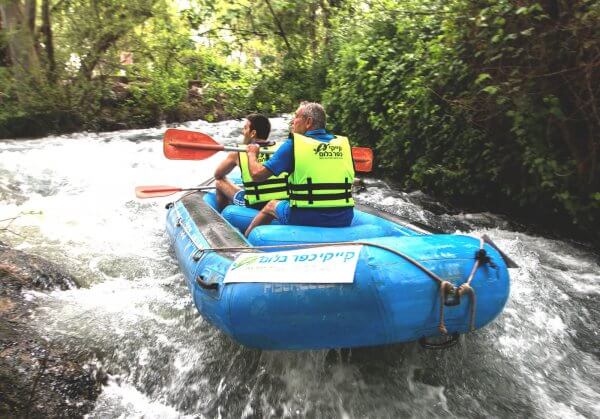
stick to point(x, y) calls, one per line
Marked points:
point(379, 281)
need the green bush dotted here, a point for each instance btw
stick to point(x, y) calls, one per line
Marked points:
point(483, 103)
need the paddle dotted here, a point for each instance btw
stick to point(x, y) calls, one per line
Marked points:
point(163, 190)
point(181, 144)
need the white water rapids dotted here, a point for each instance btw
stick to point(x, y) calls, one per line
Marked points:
point(74, 200)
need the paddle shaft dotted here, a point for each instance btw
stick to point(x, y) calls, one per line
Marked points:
point(215, 147)
point(174, 189)
point(154, 191)
point(221, 147)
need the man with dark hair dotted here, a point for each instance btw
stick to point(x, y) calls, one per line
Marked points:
point(255, 194)
point(321, 174)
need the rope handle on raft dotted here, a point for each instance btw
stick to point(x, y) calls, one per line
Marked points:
point(450, 295)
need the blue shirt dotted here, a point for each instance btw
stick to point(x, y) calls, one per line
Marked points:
point(283, 161)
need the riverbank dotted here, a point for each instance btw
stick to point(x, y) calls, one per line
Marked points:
point(556, 227)
point(39, 378)
point(117, 111)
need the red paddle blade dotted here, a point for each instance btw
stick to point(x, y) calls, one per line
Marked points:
point(155, 191)
point(181, 144)
point(363, 159)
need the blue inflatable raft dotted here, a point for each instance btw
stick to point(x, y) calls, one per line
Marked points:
point(401, 283)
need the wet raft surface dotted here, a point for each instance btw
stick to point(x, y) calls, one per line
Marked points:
point(215, 230)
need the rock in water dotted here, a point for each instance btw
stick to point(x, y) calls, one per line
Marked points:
point(38, 378)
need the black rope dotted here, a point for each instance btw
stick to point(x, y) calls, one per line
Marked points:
point(429, 273)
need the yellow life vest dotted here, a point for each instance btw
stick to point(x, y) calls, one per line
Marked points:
point(322, 174)
point(274, 187)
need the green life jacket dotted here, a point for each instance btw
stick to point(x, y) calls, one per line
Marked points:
point(274, 187)
point(322, 174)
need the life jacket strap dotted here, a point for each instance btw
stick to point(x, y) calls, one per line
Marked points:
point(321, 197)
point(256, 191)
point(311, 187)
point(275, 181)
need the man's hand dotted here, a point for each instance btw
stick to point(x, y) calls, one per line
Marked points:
point(252, 149)
point(257, 170)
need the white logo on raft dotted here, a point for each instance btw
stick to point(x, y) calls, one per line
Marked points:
point(320, 265)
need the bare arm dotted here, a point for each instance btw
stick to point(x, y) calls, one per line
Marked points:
point(257, 170)
point(227, 165)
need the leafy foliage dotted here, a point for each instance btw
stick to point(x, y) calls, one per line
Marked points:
point(491, 103)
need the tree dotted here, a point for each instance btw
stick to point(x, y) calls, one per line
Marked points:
point(18, 23)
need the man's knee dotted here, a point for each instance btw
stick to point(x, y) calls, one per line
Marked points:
point(270, 208)
point(226, 188)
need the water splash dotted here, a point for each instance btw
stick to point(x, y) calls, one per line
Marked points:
point(541, 358)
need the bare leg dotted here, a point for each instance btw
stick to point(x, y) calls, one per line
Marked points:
point(265, 216)
point(225, 192)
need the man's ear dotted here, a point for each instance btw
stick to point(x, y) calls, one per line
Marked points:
point(253, 134)
point(309, 122)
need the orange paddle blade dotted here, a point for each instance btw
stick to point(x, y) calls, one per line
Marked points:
point(155, 191)
point(181, 144)
point(189, 145)
point(363, 159)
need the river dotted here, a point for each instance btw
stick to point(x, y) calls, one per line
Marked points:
point(74, 200)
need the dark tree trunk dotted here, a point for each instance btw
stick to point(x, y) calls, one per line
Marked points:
point(4, 54)
point(16, 20)
point(48, 41)
point(30, 7)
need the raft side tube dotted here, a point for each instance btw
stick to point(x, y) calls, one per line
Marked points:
point(391, 300)
point(194, 225)
point(450, 257)
point(241, 217)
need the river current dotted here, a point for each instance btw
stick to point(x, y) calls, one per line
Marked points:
point(74, 203)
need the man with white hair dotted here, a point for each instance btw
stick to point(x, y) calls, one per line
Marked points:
point(321, 174)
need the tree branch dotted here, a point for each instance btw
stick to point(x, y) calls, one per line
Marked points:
point(278, 23)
